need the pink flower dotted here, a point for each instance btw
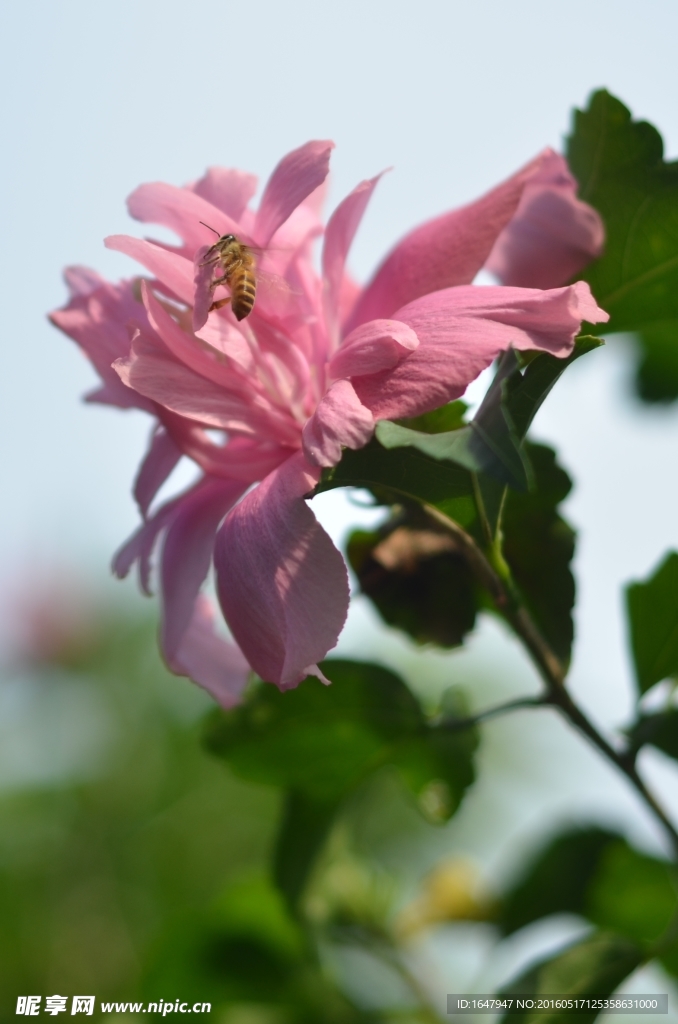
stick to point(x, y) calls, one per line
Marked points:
point(274, 398)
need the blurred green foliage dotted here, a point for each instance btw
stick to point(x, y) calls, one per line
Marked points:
point(95, 869)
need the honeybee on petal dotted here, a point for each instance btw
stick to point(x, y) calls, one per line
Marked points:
point(236, 261)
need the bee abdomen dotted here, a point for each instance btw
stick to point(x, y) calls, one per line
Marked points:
point(243, 293)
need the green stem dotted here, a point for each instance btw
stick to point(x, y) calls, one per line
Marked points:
point(457, 724)
point(497, 581)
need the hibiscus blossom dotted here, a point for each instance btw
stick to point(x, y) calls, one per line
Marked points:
point(261, 405)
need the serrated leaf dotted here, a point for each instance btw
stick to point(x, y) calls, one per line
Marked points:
point(652, 609)
point(557, 882)
point(417, 578)
point(538, 544)
point(595, 966)
point(620, 168)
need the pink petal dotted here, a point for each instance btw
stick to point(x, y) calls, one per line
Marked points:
point(282, 584)
point(228, 190)
point(183, 345)
point(203, 273)
point(240, 459)
point(339, 234)
point(187, 554)
point(160, 459)
point(181, 210)
point(175, 272)
point(82, 280)
point(462, 330)
point(376, 345)
point(297, 175)
point(446, 251)
point(98, 321)
point(553, 235)
point(339, 421)
point(140, 546)
point(209, 660)
point(227, 342)
point(180, 390)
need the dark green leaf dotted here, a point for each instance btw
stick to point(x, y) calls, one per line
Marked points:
point(652, 608)
point(632, 894)
point(621, 172)
point(598, 965)
point(597, 875)
point(302, 834)
point(539, 545)
point(659, 730)
point(416, 577)
point(405, 473)
point(657, 372)
point(322, 741)
point(558, 881)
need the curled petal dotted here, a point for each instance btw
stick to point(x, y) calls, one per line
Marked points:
point(160, 459)
point(376, 345)
point(203, 274)
point(340, 420)
point(553, 235)
point(446, 251)
point(210, 660)
point(462, 330)
point(339, 234)
point(282, 584)
point(296, 176)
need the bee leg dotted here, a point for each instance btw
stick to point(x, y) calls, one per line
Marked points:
point(219, 304)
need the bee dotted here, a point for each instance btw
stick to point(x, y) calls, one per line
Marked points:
point(237, 264)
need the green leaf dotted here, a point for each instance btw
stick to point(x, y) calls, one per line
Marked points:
point(405, 474)
point(619, 165)
point(652, 608)
point(596, 874)
point(538, 544)
point(416, 577)
point(632, 893)
point(420, 581)
point(447, 417)
point(598, 965)
point(657, 371)
point(492, 442)
point(320, 742)
point(659, 730)
point(557, 882)
point(302, 834)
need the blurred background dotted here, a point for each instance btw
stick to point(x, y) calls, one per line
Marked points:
point(115, 826)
